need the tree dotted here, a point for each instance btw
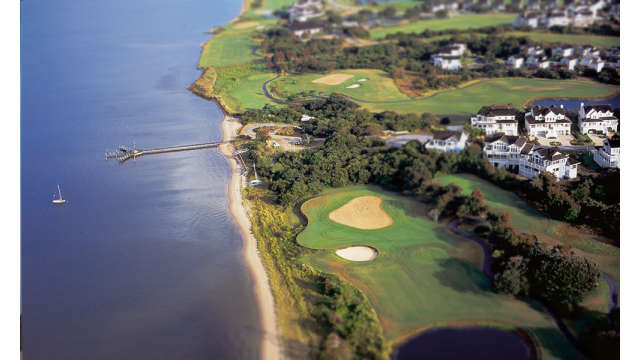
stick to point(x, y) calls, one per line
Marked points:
point(513, 279)
point(388, 12)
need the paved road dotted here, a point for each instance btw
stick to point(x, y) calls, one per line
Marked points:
point(266, 91)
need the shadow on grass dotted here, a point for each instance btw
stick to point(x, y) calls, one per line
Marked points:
point(462, 276)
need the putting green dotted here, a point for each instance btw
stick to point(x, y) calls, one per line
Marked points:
point(423, 276)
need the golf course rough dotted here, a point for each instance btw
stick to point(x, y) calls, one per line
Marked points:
point(423, 276)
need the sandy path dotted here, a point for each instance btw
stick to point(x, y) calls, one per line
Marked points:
point(270, 347)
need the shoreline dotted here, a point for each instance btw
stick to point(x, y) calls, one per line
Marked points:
point(270, 345)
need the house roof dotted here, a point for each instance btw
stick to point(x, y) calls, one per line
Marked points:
point(508, 139)
point(446, 134)
point(526, 148)
point(498, 110)
point(573, 161)
point(531, 120)
point(598, 107)
point(564, 46)
point(551, 154)
point(544, 110)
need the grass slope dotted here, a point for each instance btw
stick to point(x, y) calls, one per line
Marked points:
point(423, 276)
point(527, 219)
point(573, 39)
point(456, 22)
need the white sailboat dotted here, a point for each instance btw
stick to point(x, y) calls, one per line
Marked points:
point(256, 181)
point(59, 200)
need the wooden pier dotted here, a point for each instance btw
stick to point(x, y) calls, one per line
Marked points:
point(125, 153)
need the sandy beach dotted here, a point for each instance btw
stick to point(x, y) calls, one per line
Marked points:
point(270, 347)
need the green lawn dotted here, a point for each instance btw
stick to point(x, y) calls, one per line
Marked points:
point(423, 276)
point(527, 219)
point(573, 39)
point(469, 99)
point(228, 48)
point(239, 87)
point(379, 85)
point(456, 22)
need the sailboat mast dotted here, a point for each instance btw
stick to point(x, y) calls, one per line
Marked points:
point(254, 170)
point(59, 192)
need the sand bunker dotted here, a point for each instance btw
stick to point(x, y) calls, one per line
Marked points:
point(358, 253)
point(353, 86)
point(333, 79)
point(246, 24)
point(363, 80)
point(363, 212)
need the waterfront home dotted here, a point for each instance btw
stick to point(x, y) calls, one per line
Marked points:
point(556, 18)
point(496, 119)
point(515, 62)
point(608, 155)
point(547, 122)
point(505, 150)
point(596, 119)
point(550, 160)
point(563, 50)
point(447, 141)
point(308, 28)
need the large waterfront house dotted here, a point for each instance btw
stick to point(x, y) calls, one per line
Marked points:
point(496, 119)
point(547, 121)
point(550, 160)
point(608, 156)
point(447, 141)
point(505, 150)
point(304, 10)
point(597, 119)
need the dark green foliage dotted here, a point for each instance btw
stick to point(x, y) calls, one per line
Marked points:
point(513, 278)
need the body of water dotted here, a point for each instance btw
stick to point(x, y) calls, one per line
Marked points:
point(144, 262)
point(575, 104)
point(478, 343)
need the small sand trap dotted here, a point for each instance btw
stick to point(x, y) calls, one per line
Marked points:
point(246, 24)
point(353, 86)
point(358, 253)
point(363, 212)
point(333, 79)
point(363, 80)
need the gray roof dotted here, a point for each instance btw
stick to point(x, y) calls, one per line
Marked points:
point(498, 110)
point(508, 139)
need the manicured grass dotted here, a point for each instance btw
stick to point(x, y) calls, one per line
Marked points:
point(468, 99)
point(456, 22)
point(527, 219)
point(423, 276)
point(228, 48)
point(573, 39)
point(239, 87)
point(379, 85)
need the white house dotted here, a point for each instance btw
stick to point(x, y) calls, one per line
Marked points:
point(588, 50)
point(449, 57)
point(556, 18)
point(451, 5)
point(527, 19)
point(583, 18)
point(533, 5)
point(569, 62)
point(538, 62)
point(547, 122)
point(550, 160)
point(306, 117)
point(437, 5)
point(608, 156)
point(564, 50)
point(597, 119)
point(593, 62)
point(304, 10)
point(533, 50)
point(504, 150)
point(447, 141)
point(499, 5)
point(515, 62)
point(496, 119)
point(308, 28)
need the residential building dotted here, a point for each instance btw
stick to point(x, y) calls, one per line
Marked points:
point(308, 28)
point(550, 160)
point(499, 5)
point(449, 57)
point(556, 18)
point(538, 62)
point(497, 119)
point(468, 4)
point(569, 63)
point(593, 62)
point(597, 119)
point(504, 150)
point(583, 18)
point(547, 121)
point(534, 5)
point(564, 50)
point(437, 5)
point(451, 5)
point(484, 4)
point(447, 141)
point(515, 62)
point(530, 19)
point(304, 10)
point(608, 155)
